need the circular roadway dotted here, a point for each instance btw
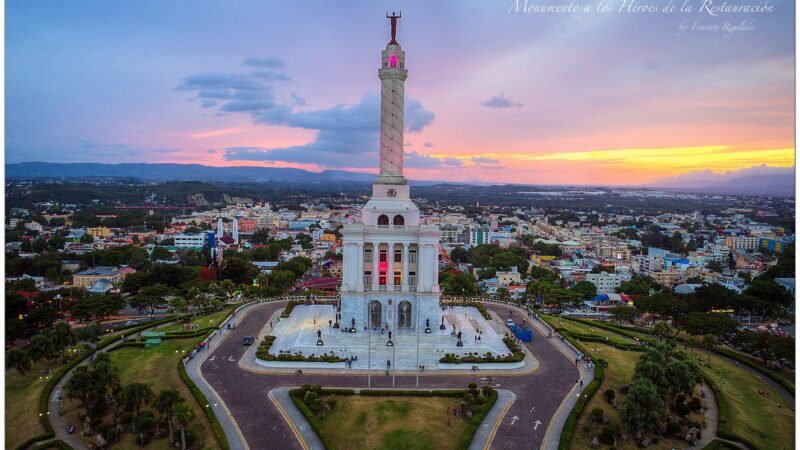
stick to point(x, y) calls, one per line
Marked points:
point(539, 394)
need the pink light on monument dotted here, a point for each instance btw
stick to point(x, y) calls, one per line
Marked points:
point(393, 61)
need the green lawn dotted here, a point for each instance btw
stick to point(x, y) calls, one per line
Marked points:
point(394, 423)
point(157, 366)
point(207, 321)
point(580, 328)
point(620, 368)
point(22, 402)
point(750, 413)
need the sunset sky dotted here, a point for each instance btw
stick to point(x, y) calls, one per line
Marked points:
point(492, 95)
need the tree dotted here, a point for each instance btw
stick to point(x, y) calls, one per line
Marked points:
point(642, 408)
point(42, 346)
point(178, 305)
point(261, 236)
point(453, 282)
point(709, 344)
point(663, 330)
point(165, 403)
point(238, 270)
point(150, 297)
point(682, 376)
point(184, 414)
point(586, 289)
point(458, 255)
point(136, 395)
point(63, 337)
point(503, 294)
point(623, 313)
point(716, 266)
point(97, 307)
point(93, 384)
point(160, 253)
point(697, 323)
point(19, 360)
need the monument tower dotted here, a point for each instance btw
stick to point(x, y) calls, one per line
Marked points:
point(391, 263)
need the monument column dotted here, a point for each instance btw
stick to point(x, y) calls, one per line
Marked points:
point(420, 268)
point(376, 255)
point(405, 267)
point(360, 281)
point(393, 76)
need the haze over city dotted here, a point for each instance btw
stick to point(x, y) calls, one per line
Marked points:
point(492, 95)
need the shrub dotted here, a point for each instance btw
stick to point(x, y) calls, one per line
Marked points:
point(609, 395)
point(673, 428)
point(607, 435)
point(596, 415)
point(695, 404)
point(682, 409)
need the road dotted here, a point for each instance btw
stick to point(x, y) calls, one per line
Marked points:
point(246, 393)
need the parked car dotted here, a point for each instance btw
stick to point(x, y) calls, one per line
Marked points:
point(248, 340)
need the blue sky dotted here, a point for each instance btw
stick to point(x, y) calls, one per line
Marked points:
point(491, 95)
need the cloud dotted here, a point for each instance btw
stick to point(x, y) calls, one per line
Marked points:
point(270, 61)
point(346, 135)
point(485, 162)
point(298, 100)
point(420, 161)
point(428, 144)
point(500, 102)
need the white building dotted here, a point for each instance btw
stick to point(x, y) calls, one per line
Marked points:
point(606, 283)
point(391, 261)
point(190, 240)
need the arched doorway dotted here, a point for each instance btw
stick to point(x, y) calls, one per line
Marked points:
point(398, 220)
point(375, 314)
point(404, 314)
point(383, 219)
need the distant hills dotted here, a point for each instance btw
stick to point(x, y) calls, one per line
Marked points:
point(180, 172)
point(758, 180)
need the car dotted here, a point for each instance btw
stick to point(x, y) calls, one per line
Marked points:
point(248, 340)
point(510, 323)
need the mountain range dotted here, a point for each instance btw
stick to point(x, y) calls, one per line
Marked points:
point(757, 180)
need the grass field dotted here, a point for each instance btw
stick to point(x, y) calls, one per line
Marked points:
point(22, 402)
point(393, 423)
point(156, 366)
point(210, 320)
point(620, 368)
point(577, 327)
point(750, 413)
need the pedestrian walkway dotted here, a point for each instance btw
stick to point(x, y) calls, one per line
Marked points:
point(485, 432)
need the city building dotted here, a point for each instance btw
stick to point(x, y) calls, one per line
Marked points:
point(606, 283)
point(190, 240)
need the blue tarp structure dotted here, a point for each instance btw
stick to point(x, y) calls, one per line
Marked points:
point(524, 335)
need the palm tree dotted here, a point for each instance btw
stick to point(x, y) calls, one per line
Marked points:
point(165, 402)
point(136, 395)
point(184, 414)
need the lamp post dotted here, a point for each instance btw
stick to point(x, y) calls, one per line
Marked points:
point(418, 301)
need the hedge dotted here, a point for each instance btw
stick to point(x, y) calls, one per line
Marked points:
point(287, 310)
point(216, 427)
point(31, 441)
point(481, 309)
point(58, 444)
point(263, 354)
point(104, 342)
point(138, 344)
point(516, 355)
